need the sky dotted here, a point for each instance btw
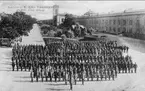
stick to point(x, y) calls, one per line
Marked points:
point(42, 9)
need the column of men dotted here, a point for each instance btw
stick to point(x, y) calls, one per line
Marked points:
point(80, 61)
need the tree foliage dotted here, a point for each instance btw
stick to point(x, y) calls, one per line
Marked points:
point(68, 21)
point(16, 24)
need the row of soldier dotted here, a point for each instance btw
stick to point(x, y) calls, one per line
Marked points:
point(101, 59)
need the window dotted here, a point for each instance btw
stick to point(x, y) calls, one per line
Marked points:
point(110, 29)
point(130, 30)
point(96, 21)
point(124, 29)
point(124, 22)
point(130, 22)
point(102, 20)
point(62, 20)
point(106, 28)
point(110, 21)
point(114, 22)
point(137, 22)
point(106, 21)
point(114, 29)
point(118, 29)
point(118, 22)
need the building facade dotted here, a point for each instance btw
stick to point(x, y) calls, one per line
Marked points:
point(127, 21)
point(60, 18)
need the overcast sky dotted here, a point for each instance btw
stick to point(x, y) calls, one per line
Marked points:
point(74, 7)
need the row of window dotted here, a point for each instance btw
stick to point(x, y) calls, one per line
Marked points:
point(112, 22)
point(118, 29)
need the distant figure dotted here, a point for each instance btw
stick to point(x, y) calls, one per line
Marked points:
point(13, 65)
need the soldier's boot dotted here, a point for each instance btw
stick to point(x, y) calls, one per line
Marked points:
point(125, 70)
point(36, 78)
point(70, 86)
point(79, 79)
point(13, 69)
point(105, 78)
point(101, 78)
point(87, 79)
point(21, 69)
point(129, 70)
point(55, 79)
point(113, 77)
point(135, 70)
point(65, 82)
point(91, 78)
point(31, 79)
point(97, 78)
point(82, 81)
point(42, 79)
point(116, 75)
point(119, 70)
point(17, 69)
point(50, 79)
point(109, 77)
point(59, 78)
point(75, 82)
point(46, 79)
point(63, 78)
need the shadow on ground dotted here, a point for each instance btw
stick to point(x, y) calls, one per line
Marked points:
point(22, 81)
point(57, 89)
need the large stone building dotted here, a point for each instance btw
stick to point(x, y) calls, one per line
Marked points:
point(127, 21)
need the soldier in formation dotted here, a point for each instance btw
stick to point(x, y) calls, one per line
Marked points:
point(73, 61)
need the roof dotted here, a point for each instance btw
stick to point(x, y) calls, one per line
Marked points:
point(90, 13)
point(124, 13)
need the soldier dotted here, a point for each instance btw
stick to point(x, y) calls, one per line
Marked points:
point(42, 73)
point(31, 74)
point(66, 76)
point(59, 71)
point(101, 74)
point(98, 74)
point(20, 64)
point(13, 65)
point(37, 73)
point(109, 74)
point(75, 75)
point(131, 65)
point(17, 64)
point(70, 78)
point(29, 64)
point(46, 73)
point(50, 73)
point(128, 64)
point(83, 74)
point(106, 75)
point(112, 73)
point(135, 67)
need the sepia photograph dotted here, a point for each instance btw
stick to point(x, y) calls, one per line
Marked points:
point(72, 45)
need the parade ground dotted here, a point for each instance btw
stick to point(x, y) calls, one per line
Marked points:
point(20, 80)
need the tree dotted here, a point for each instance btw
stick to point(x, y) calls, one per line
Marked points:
point(69, 34)
point(15, 25)
point(68, 21)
